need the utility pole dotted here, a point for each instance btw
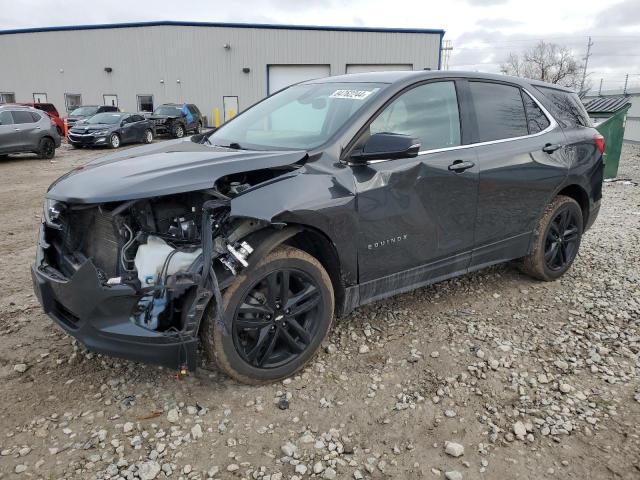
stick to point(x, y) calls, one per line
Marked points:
point(446, 54)
point(586, 62)
point(626, 81)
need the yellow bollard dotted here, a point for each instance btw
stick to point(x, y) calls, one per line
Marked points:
point(216, 118)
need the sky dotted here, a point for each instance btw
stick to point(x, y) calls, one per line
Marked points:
point(483, 32)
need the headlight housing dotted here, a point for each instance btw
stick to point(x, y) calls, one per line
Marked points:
point(52, 210)
point(100, 132)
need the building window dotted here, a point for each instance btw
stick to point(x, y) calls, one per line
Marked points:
point(145, 103)
point(110, 100)
point(72, 101)
point(7, 97)
point(40, 98)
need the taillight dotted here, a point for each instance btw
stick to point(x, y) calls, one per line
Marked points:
point(599, 141)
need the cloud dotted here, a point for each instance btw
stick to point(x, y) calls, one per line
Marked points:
point(486, 3)
point(498, 23)
point(623, 14)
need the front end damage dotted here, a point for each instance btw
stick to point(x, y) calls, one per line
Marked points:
point(133, 278)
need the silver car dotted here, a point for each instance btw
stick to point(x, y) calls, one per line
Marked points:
point(25, 129)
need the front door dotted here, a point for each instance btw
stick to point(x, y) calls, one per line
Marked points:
point(9, 132)
point(417, 215)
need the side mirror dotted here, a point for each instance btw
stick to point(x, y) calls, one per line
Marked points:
point(386, 146)
point(122, 123)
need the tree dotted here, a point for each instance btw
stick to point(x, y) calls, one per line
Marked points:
point(550, 63)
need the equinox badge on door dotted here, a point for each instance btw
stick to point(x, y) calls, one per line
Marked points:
point(388, 241)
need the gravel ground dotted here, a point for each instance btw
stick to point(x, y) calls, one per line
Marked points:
point(491, 375)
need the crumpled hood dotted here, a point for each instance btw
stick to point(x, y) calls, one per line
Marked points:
point(161, 169)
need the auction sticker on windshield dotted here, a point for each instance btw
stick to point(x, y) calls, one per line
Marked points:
point(351, 94)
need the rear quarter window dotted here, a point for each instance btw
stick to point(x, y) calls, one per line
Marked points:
point(567, 107)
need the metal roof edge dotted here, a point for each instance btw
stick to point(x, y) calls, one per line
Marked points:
point(172, 23)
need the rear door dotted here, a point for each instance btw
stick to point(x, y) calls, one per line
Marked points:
point(522, 160)
point(417, 215)
point(138, 127)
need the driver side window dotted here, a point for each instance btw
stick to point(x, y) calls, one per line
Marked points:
point(428, 112)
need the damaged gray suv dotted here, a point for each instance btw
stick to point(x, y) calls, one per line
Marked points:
point(326, 196)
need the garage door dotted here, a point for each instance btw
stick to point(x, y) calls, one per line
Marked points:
point(281, 76)
point(377, 67)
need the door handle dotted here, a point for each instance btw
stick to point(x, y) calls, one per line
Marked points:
point(551, 147)
point(460, 166)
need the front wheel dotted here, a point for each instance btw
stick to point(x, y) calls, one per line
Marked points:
point(114, 140)
point(277, 313)
point(148, 136)
point(559, 233)
point(177, 131)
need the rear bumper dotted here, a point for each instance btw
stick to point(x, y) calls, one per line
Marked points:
point(98, 316)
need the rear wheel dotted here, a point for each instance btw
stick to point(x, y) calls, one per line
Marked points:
point(114, 140)
point(148, 136)
point(557, 242)
point(278, 313)
point(47, 148)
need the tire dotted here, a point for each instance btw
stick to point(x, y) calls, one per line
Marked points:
point(147, 137)
point(557, 240)
point(47, 149)
point(233, 352)
point(177, 131)
point(114, 140)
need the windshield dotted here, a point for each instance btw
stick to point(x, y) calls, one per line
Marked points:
point(302, 116)
point(168, 110)
point(85, 111)
point(110, 118)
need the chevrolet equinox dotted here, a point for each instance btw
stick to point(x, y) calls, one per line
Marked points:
point(328, 195)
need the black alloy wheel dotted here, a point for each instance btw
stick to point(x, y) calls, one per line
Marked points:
point(277, 319)
point(47, 148)
point(276, 315)
point(561, 244)
point(557, 240)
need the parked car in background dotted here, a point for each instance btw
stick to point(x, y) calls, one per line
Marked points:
point(87, 111)
point(325, 196)
point(111, 129)
point(177, 120)
point(25, 129)
point(52, 111)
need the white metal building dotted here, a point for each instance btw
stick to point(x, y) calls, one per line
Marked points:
point(138, 66)
point(632, 127)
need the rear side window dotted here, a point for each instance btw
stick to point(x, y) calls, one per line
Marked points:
point(22, 116)
point(537, 121)
point(35, 116)
point(428, 112)
point(568, 107)
point(137, 118)
point(499, 110)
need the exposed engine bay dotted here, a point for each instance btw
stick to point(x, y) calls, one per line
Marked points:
point(159, 247)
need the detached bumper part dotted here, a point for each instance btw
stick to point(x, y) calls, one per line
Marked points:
point(99, 317)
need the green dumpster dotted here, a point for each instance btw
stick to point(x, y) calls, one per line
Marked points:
point(609, 115)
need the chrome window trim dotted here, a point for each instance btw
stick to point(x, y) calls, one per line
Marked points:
point(552, 125)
